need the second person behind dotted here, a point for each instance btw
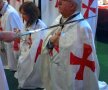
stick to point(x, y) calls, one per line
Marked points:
point(28, 72)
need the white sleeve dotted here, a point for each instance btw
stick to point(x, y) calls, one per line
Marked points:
point(14, 22)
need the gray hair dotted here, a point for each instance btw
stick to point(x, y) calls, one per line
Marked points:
point(78, 3)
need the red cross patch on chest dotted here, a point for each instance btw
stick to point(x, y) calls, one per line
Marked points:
point(1, 27)
point(83, 62)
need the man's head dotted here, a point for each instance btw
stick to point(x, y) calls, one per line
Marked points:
point(68, 7)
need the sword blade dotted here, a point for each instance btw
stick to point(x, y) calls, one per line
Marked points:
point(38, 30)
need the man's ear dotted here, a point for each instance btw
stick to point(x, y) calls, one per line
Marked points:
point(73, 7)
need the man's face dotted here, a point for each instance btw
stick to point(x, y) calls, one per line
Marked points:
point(66, 7)
point(63, 5)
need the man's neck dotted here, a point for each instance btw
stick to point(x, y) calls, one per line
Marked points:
point(69, 14)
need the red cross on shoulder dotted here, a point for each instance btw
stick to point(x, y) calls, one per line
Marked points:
point(83, 62)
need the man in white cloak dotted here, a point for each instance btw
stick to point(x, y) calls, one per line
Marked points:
point(69, 55)
point(11, 21)
point(28, 70)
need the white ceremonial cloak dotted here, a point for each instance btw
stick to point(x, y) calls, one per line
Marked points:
point(28, 71)
point(10, 21)
point(73, 65)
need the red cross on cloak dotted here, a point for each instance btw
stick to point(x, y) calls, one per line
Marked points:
point(56, 5)
point(38, 50)
point(1, 27)
point(83, 62)
point(88, 8)
point(56, 47)
point(16, 44)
